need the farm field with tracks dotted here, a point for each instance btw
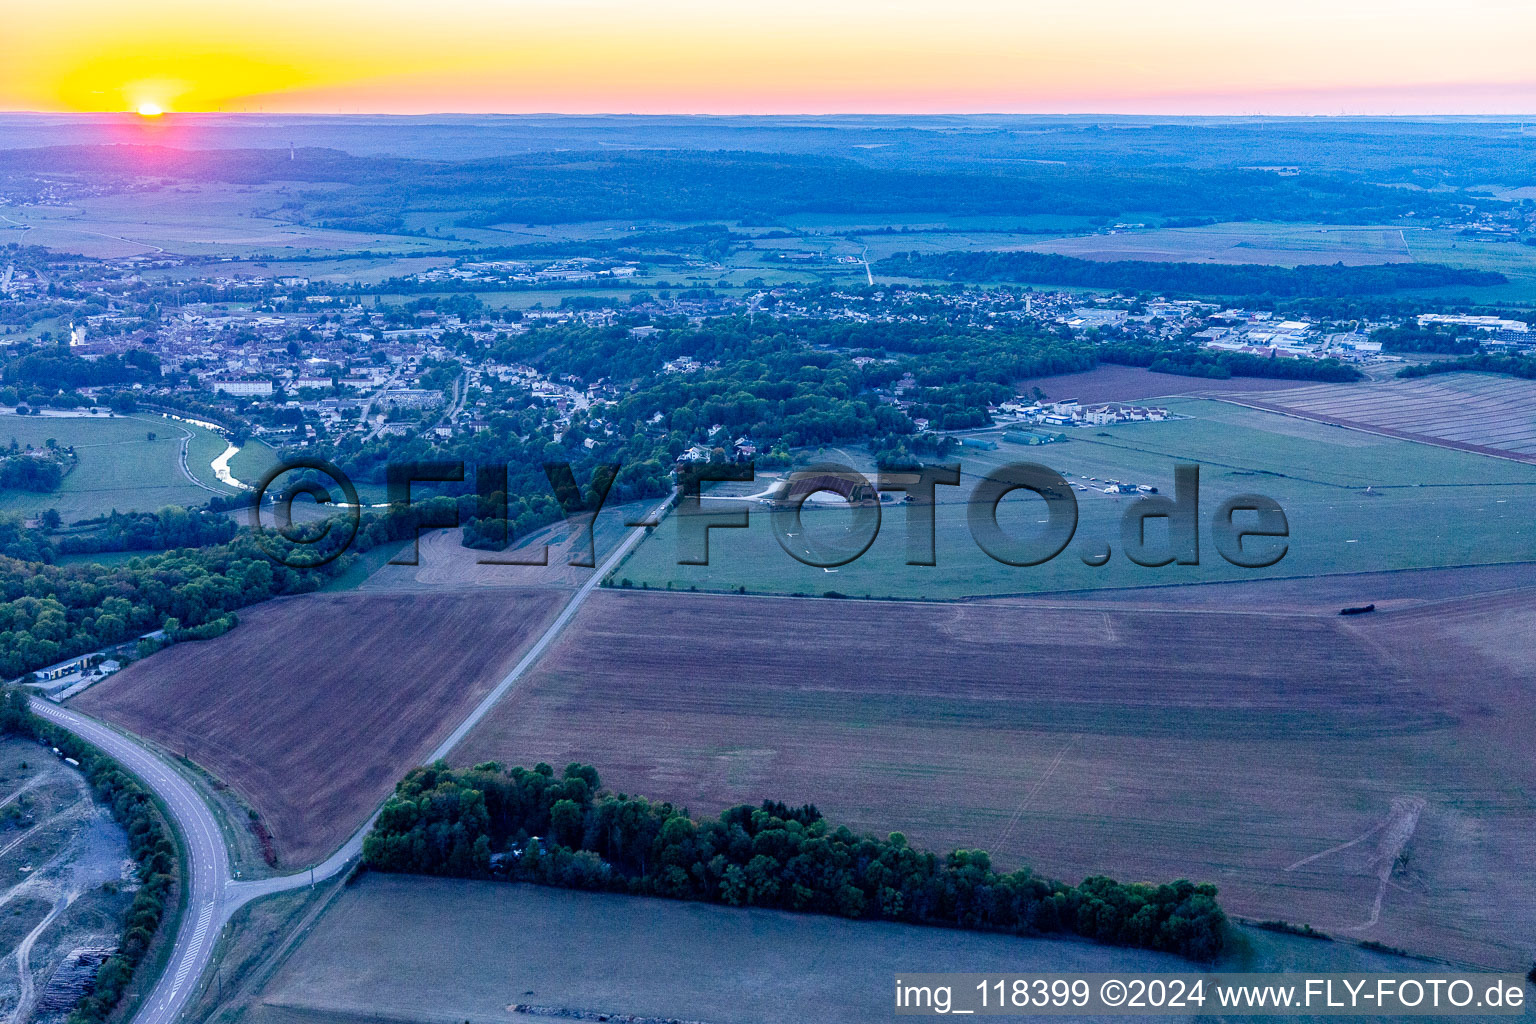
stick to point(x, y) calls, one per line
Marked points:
point(1474, 411)
point(1365, 776)
point(396, 946)
point(1286, 245)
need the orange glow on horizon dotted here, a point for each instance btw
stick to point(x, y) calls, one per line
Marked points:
point(806, 56)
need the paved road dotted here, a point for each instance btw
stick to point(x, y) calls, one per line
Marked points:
point(510, 679)
point(186, 467)
point(207, 858)
point(243, 892)
point(213, 895)
point(372, 400)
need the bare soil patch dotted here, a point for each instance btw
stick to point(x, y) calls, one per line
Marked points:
point(313, 707)
point(1135, 384)
point(396, 948)
point(1224, 745)
point(1472, 412)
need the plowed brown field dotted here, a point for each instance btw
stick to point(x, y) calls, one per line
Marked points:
point(1228, 745)
point(314, 706)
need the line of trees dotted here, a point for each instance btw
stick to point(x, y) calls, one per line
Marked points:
point(1216, 279)
point(1413, 338)
point(530, 825)
point(1188, 361)
point(171, 527)
point(52, 612)
point(149, 842)
point(1523, 367)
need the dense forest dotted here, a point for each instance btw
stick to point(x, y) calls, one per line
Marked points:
point(150, 531)
point(530, 825)
point(1413, 338)
point(751, 187)
point(1183, 279)
point(51, 612)
point(38, 471)
point(22, 543)
point(59, 370)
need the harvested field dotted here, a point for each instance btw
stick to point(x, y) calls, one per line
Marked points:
point(313, 707)
point(1325, 595)
point(1472, 411)
point(1285, 245)
point(445, 564)
point(397, 947)
point(1134, 384)
point(1222, 745)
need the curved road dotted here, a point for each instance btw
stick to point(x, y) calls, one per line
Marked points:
point(207, 858)
point(186, 468)
point(213, 895)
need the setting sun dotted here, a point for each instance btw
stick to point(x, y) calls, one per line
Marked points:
point(150, 109)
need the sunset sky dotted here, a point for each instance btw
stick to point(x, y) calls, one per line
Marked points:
point(792, 56)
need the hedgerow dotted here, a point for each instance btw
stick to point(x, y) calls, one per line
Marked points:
point(529, 825)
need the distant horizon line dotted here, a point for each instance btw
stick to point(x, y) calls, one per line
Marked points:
point(824, 115)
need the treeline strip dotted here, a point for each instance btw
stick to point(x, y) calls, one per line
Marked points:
point(1202, 362)
point(529, 825)
point(171, 527)
point(149, 842)
point(1229, 280)
point(49, 613)
point(1523, 367)
point(1413, 338)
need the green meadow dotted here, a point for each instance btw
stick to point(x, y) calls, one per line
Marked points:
point(1353, 502)
point(119, 467)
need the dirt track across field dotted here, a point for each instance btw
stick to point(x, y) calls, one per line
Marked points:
point(1149, 744)
point(314, 706)
point(1473, 412)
